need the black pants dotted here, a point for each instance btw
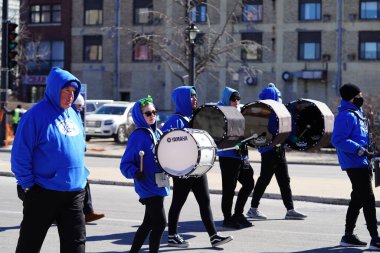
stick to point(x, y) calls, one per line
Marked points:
point(41, 208)
point(233, 171)
point(361, 197)
point(181, 189)
point(154, 223)
point(87, 205)
point(273, 162)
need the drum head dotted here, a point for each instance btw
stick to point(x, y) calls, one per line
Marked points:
point(268, 121)
point(225, 124)
point(177, 152)
point(312, 123)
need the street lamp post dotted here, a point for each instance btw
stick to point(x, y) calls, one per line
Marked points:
point(192, 31)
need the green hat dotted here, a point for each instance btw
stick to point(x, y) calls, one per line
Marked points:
point(193, 92)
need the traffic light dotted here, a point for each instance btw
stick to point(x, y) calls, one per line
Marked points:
point(12, 44)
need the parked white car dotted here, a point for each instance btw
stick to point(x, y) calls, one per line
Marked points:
point(93, 104)
point(110, 120)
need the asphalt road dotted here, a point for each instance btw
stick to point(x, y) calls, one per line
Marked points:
point(320, 232)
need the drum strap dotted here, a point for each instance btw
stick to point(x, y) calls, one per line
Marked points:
point(372, 145)
point(152, 135)
point(184, 117)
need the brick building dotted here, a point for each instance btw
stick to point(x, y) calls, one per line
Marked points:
point(310, 47)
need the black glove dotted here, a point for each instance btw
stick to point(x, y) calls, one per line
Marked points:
point(139, 176)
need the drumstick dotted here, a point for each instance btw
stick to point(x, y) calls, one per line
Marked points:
point(237, 146)
point(304, 131)
point(141, 153)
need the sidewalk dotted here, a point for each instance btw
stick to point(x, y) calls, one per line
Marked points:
point(332, 190)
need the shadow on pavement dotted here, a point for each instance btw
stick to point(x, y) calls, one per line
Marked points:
point(334, 249)
point(2, 229)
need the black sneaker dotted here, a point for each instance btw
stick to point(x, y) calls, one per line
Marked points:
point(242, 220)
point(231, 223)
point(177, 241)
point(217, 240)
point(375, 244)
point(352, 241)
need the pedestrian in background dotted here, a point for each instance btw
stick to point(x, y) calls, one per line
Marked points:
point(16, 116)
point(151, 184)
point(185, 100)
point(273, 162)
point(48, 162)
point(235, 167)
point(89, 214)
point(351, 139)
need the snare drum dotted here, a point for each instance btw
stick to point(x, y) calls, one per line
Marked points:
point(268, 121)
point(225, 124)
point(186, 152)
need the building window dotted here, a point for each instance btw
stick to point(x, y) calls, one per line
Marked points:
point(310, 9)
point(252, 52)
point(369, 43)
point(45, 14)
point(369, 9)
point(143, 11)
point(93, 12)
point(92, 48)
point(198, 12)
point(43, 55)
point(252, 10)
point(309, 46)
point(142, 49)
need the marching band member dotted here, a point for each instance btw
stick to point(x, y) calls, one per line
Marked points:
point(185, 100)
point(351, 139)
point(273, 162)
point(150, 182)
point(235, 167)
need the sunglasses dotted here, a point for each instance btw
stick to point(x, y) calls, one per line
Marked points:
point(234, 99)
point(149, 113)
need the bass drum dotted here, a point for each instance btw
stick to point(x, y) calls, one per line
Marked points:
point(186, 152)
point(225, 124)
point(267, 123)
point(312, 124)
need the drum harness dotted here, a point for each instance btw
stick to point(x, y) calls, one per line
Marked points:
point(373, 154)
point(164, 176)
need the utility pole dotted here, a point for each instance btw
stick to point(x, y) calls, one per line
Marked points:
point(4, 71)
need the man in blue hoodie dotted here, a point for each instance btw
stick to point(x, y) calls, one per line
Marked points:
point(273, 162)
point(185, 100)
point(235, 167)
point(351, 139)
point(48, 162)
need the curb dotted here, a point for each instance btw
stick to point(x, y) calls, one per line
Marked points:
point(312, 199)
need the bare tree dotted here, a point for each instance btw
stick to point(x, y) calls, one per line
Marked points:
point(214, 43)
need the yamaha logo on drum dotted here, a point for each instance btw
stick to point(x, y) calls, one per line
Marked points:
point(175, 139)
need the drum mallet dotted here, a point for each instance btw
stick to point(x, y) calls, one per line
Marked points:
point(304, 131)
point(141, 153)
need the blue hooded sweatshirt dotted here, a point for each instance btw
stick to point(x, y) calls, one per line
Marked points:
point(272, 93)
point(225, 101)
point(349, 134)
point(181, 97)
point(143, 138)
point(49, 145)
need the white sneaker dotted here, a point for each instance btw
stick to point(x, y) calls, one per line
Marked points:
point(294, 215)
point(256, 214)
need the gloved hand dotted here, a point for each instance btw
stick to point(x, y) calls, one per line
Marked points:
point(362, 151)
point(139, 176)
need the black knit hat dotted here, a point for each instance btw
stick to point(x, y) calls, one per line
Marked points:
point(348, 91)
